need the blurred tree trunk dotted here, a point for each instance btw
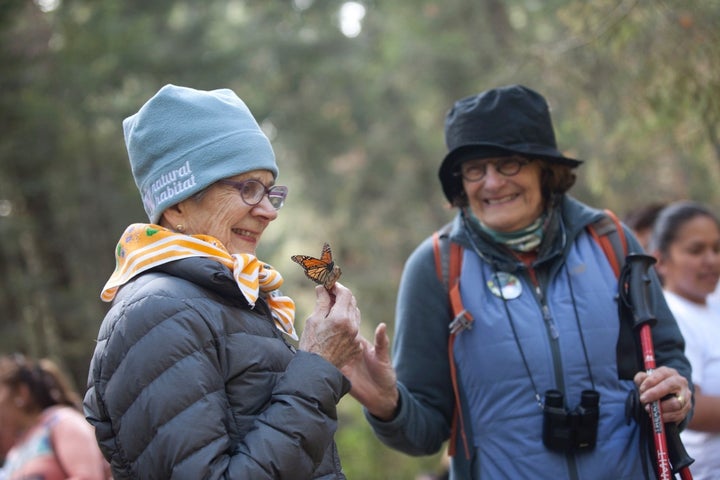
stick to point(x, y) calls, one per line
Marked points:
point(41, 324)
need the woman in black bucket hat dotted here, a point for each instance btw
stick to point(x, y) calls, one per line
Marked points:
point(498, 123)
point(517, 366)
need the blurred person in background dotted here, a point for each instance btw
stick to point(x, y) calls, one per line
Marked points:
point(641, 221)
point(194, 374)
point(43, 433)
point(686, 243)
point(538, 333)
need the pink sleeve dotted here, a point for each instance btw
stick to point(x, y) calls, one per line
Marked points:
point(76, 448)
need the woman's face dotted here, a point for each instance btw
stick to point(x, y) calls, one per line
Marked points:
point(691, 266)
point(505, 203)
point(222, 213)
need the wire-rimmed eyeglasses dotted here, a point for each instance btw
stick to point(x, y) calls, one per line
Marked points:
point(252, 192)
point(475, 170)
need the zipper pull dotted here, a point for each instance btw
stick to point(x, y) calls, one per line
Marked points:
point(546, 314)
point(551, 323)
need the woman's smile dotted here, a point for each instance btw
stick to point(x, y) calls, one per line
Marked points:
point(506, 203)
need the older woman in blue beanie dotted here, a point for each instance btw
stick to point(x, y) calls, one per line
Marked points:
point(520, 364)
point(193, 375)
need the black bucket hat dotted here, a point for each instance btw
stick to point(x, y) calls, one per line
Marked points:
point(503, 121)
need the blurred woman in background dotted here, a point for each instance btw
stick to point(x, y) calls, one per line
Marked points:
point(686, 242)
point(43, 435)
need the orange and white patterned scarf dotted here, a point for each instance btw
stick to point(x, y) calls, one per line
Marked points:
point(144, 246)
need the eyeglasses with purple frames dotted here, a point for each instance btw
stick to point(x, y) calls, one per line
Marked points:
point(252, 192)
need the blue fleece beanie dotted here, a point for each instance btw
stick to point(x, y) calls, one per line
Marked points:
point(183, 140)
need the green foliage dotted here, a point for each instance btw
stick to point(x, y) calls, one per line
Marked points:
point(357, 123)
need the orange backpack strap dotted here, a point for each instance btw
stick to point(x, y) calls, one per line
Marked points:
point(441, 259)
point(610, 235)
point(448, 264)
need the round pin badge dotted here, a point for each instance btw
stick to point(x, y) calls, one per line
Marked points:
point(505, 285)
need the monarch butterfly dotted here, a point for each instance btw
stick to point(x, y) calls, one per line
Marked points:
point(320, 270)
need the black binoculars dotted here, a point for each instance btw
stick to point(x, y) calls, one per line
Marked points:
point(570, 431)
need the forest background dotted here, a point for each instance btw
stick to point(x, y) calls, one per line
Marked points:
point(353, 96)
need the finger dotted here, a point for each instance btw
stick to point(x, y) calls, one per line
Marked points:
point(322, 300)
point(382, 343)
point(659, 387)
point(338, 288)
point(343, 296)
point(639, 378)
point(684, 399)
point(346, 306)
point(681, 400)
point(675, 409)
point(653, 379)
point(666, 373)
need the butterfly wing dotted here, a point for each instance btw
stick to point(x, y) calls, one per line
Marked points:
point(314, 267)
point(326, 255)
point(320, 270)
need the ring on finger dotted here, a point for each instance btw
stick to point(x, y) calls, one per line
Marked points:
point(680, 399)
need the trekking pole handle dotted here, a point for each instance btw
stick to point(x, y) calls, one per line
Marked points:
point(635, 292)
point(636, 288)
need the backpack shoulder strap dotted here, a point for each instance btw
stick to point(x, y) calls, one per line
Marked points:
point(610, 235)
point(448, 264)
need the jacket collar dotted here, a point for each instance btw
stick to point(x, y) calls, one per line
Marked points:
point(568, 219)
point(208, 274)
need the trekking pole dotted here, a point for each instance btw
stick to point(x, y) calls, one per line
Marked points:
point(634, 292)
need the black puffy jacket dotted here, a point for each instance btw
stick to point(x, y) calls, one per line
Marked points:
point(188, 382)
